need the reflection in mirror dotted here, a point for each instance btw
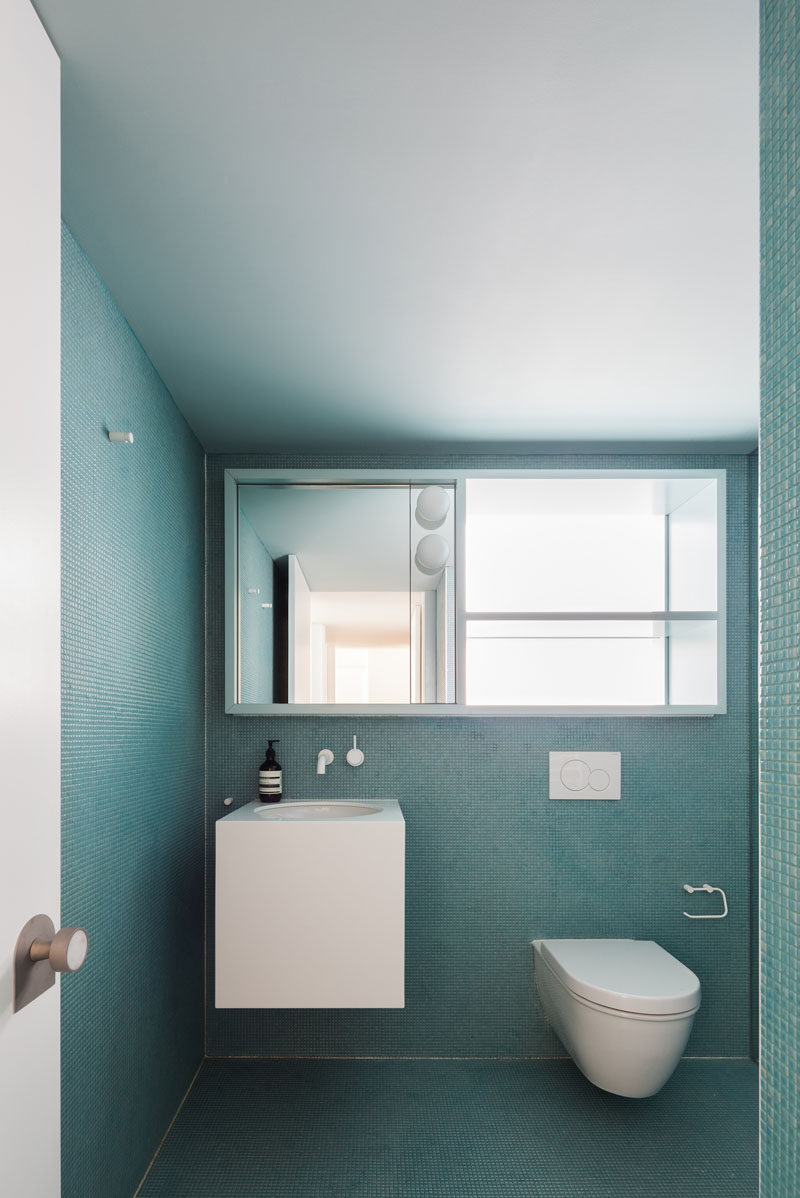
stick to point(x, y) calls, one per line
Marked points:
point(346, 594)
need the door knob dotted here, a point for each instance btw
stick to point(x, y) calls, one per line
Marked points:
point(41, 953)
point(66, 952)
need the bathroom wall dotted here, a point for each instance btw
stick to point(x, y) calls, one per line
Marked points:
point(132, 846)
point(491, 862)
point(780, 597)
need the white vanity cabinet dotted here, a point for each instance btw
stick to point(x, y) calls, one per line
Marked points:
point(310, 905)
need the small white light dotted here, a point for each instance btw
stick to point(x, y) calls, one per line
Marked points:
point(433, 504)
point(126, 438)
point(432, 554)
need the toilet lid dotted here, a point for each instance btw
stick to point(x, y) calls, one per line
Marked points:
point(638, 976)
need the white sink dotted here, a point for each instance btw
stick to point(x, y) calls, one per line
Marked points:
point(310, 905)
point(295, 810)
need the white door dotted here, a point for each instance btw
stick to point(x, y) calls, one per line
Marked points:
point(30, 733)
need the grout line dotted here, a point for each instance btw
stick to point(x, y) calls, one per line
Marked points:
point(205, 753)
point(564, 1057)
point(756, 902)
point(305, 1060)
point(138, 1189)
point(754, 838)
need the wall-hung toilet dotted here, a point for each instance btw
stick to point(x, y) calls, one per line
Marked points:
point(623, 1009)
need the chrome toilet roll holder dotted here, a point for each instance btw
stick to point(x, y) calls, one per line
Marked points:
point(708, 889)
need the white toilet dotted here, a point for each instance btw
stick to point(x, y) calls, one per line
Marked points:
point(623, 1009)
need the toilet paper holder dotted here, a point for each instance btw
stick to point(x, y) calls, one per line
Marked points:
point(708, 890)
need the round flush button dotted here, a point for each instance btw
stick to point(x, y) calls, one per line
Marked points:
point(599, 780)
point(575, 774)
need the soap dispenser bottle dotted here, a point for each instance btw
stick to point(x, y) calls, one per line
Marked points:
point(270, 777)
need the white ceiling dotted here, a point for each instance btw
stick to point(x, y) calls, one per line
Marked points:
point(388, 223)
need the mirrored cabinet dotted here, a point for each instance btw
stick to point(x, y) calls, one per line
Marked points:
point(475, 592)
point(345, 593)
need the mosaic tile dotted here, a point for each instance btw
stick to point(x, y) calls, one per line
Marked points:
point(457, 1129)
point(780, 597)
point(132, 706)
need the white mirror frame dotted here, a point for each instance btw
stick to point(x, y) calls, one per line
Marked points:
point(234, 477)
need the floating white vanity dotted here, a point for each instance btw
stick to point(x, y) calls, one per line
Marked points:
point(310, 905)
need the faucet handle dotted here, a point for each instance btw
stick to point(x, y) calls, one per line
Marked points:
point(355, 756)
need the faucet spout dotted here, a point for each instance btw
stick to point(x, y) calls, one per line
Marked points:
point(324, 758)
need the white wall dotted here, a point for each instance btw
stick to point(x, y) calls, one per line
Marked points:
point(30, 432)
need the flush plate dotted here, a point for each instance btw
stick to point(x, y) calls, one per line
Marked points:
point(580, 775)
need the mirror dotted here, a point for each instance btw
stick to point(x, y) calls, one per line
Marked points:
point(345, 593)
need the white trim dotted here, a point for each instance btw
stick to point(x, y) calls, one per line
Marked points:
point(460, 648)
point(416, 478)
point(232, 659)
point(233, 477)
point(722, 591)
point(448, 710)
point(599, 617)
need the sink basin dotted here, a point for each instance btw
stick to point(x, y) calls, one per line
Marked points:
point(286, 811)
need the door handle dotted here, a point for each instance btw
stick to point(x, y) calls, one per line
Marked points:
point(41, 953)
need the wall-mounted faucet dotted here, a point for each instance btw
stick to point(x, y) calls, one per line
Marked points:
point(324, 757)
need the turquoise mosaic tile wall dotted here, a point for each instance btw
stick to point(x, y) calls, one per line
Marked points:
point(491, 862)
point(132, 745)
point(780, 597)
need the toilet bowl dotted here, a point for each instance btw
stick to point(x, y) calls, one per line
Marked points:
point(623, 1009)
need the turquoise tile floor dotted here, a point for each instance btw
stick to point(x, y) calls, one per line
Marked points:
point(457, 1129)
